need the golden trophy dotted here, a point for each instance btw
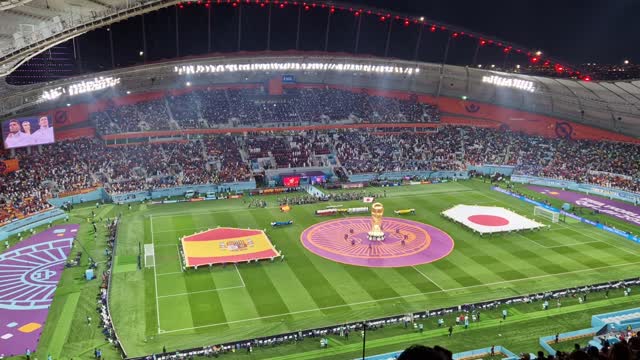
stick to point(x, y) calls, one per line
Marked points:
point(376, 233)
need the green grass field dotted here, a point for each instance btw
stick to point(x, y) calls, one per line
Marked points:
point(163, 306)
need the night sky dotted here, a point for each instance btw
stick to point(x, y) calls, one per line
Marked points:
point(573, 32)
point(579, 31)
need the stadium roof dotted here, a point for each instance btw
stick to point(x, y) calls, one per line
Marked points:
point(29, 27)
point(610, 105)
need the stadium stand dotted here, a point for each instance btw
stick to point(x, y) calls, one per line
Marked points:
point(250, 107)
point(86, 163)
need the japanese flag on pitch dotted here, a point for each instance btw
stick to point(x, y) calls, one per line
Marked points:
point(367, 199)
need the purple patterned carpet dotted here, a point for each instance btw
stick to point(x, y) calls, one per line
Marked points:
point(618, 209)
point(422, 243)
point(29, 275)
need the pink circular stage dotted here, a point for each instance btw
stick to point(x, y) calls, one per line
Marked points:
point(406, 243)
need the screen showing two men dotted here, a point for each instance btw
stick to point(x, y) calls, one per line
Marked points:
point(31, 131)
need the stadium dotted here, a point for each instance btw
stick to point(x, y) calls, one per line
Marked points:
point(272, 179)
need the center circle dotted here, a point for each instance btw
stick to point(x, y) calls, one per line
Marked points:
point(406, 242)
point(488, 220)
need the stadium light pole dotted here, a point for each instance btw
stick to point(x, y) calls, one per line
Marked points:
point(326, 34)
point(357, 45)
point(209, 29)
point(113, 57)
point(474, 62)
point(177, 35)
point(144, 41)
point(417, 48)
point(239, 25)
point(269, 28)
point(298, 28)
point(386, 45)
point(444, 60)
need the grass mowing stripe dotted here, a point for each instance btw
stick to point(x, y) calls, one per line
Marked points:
point(540, 262)
point(371, 282)
point(513, 325)
point(414, 276)
point(258, 284)
point(63, 325)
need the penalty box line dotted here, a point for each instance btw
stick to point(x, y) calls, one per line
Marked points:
point(396, 298)
point(206, 291)
point(589, 230)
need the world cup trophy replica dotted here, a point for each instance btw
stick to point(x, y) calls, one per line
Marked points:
point(376, 233)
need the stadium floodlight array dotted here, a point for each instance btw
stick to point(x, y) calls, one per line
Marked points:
point(509, 82)
point(551, 215)
point(82, 87)
point(294, 66)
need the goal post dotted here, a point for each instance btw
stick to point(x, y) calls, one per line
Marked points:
point(149, 256)
point(550, 215)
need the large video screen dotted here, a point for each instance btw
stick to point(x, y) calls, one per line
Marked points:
point(291, 181)
point(29, 131)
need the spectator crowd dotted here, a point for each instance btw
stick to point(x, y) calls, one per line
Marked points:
point(71, 166)
point(210, 108)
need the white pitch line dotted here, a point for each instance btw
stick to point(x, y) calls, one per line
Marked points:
point(398, 297)
point(428, 278)
point(170, 273)
point(588, 229)
point(201, 291)
point(530, 239)
point(182, 229)
point(600, 240)
point(576, 244)
point(155, 274)
point(240, 275)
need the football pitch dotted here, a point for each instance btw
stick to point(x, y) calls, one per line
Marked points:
point(166, 306)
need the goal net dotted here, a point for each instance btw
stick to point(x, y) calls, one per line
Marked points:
point(550, 215)
point(149, 256)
